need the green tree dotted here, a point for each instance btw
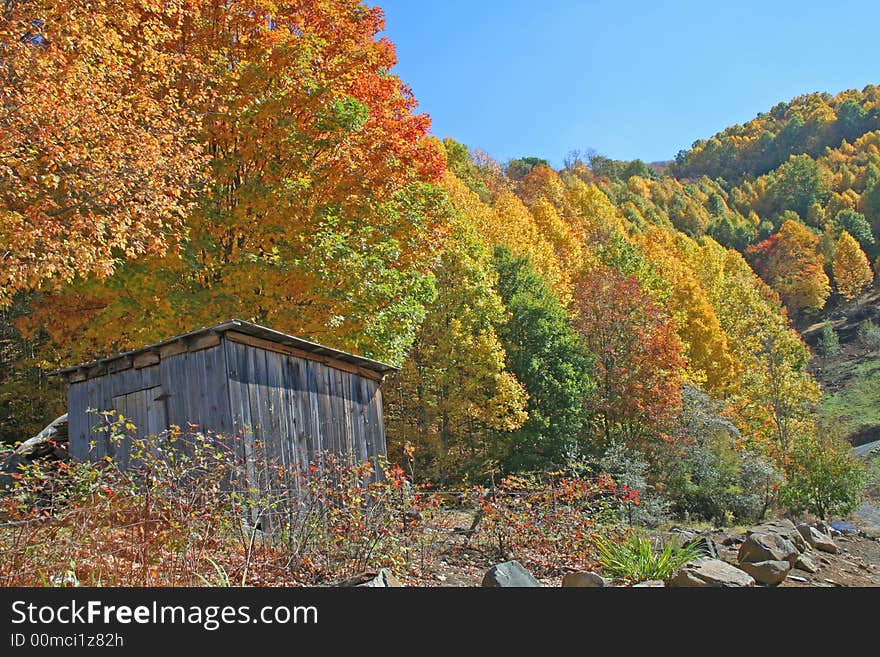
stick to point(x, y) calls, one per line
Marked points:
point(822, 474)
point(548, 358)
point(796, 185)
point(829, 342)
point(520, 168)
point(454, 397)
point(460, 162)
point(29, 399)
point(851, 120)
point(856, 225)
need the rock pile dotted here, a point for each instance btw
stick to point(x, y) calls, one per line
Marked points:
point(765, 555)
point(771, 550)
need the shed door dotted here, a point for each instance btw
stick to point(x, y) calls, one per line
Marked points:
point(146, 410)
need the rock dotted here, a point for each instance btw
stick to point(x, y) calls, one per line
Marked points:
point(509, 574)
point(798, 540)
point(783, 523)
point(651, 583)
point(785, 528)
point(728, 555)
point(817, 539)
point(732, 540)
point(50, 444)
point(583, 580)
point(710, 573)
point(797, 578)
point(767, 547)
point(67, 578)
point(383, 579)
point(684, 535)
point(770, 573)
point(806, 564)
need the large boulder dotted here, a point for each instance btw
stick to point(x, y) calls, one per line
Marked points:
point(767, 546)
point(509, 574)
point(770, 573)
point(710, 573)
point(785, 528)
point(817, 539)
point(583, 580)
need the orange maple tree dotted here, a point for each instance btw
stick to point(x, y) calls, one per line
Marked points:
point(638, 357)
point(790, 263)
point(96, 127)
point(319, 214)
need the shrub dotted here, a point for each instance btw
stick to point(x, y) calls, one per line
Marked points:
point(823, 475)
point(869, 335)
point(190, 509)
point(829, 342)
point(711, 476)
point(637, 559)
point(95, 524)
point(547, 522)
point(639, 503)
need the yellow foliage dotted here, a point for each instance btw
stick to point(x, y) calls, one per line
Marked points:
point(710, 361)
point(508, 222)
point(852, 271)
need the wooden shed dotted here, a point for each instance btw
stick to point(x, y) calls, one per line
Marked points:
point(238, 379)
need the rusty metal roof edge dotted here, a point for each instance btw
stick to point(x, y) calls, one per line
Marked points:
point(248, 328)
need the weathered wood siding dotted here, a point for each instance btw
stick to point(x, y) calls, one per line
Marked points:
point(295, 408)
point(191, 385)
point(291, 407)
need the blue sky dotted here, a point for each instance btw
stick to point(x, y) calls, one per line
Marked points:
point(631, 79)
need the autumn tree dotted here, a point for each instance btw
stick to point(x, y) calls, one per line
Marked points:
point(460, 162)
point(707, 346)
point(101, 102)
point(455, 399)
point(852, 271)
point(638, 358)
point(776, 395)
point(549, 359)
point(507, 221)
point(790, 263)
point(321, 212)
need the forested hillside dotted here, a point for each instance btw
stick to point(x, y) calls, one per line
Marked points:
point(786, 189)
point(267, 164)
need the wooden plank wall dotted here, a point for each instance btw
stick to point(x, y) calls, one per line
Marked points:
point(98, 393)
point(293, 406)
point(297, 408)
point(194, 382)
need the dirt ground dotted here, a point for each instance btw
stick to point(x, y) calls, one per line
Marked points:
point(856, 564)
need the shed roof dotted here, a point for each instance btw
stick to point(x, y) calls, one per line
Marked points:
point(123, 360)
